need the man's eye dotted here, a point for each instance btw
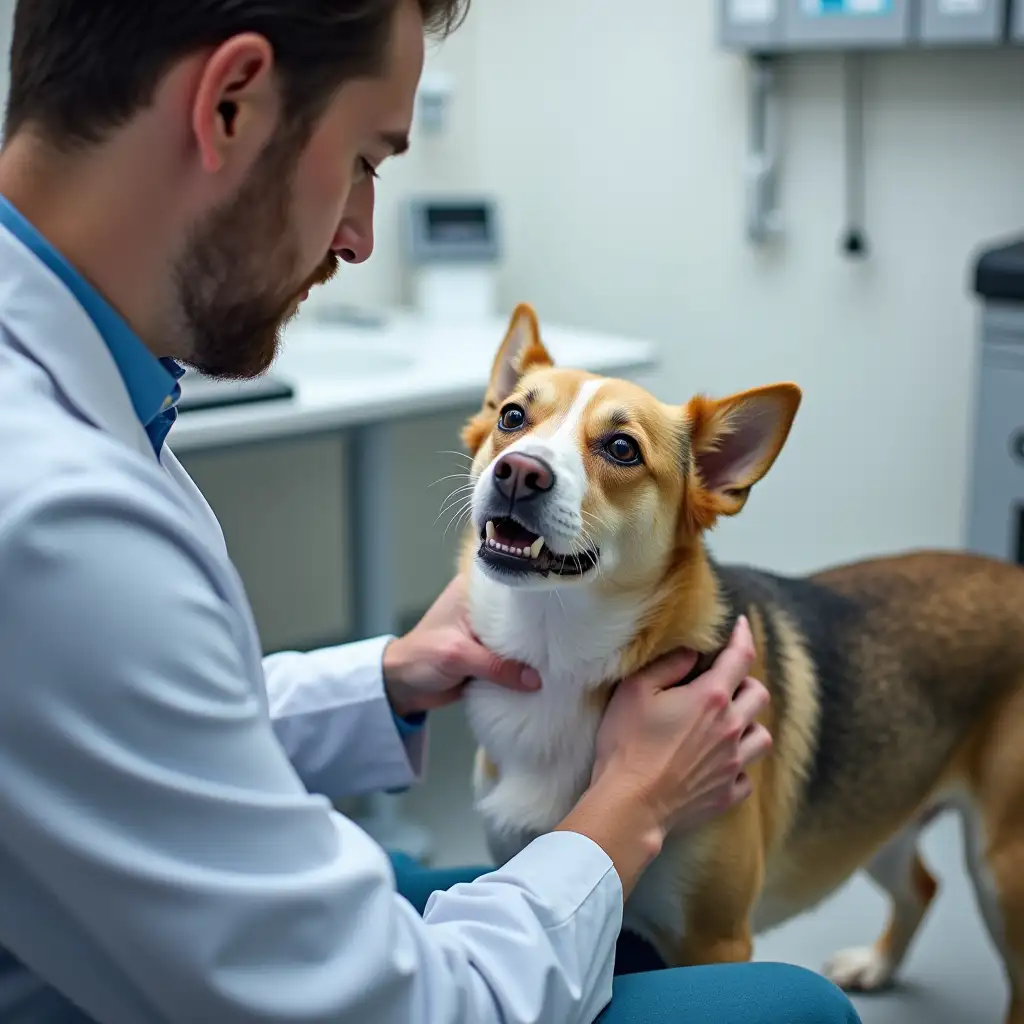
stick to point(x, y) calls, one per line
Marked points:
point(366, 169)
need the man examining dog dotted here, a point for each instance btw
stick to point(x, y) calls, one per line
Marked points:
point(175, 177)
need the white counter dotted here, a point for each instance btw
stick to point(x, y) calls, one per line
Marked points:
point(349, 377)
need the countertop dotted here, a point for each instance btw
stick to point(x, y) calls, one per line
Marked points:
point(348, 376)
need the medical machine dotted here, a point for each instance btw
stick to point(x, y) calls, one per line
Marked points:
point(781, 26)
point(962, 22)
point(766, 31)
point(453, 252)
point(996, 495)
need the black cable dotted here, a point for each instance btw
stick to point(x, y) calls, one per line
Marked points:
point(854, 241)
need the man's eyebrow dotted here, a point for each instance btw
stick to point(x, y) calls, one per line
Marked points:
point(397, 142)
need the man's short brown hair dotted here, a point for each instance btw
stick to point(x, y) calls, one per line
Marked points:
point(80, 68)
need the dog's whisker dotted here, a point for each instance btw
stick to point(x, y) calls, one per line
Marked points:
point(595, 520)
point(463, 490)
point(459, 455)
point(459, 515)
point(457, 503)
point(459, 494)
point(450, 476)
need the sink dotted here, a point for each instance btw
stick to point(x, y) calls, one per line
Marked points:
point(341, 360)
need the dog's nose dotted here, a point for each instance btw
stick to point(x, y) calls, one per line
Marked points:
point(519, 477)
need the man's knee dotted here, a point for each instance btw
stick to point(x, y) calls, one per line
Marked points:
point(754, 993)
point(807, 996)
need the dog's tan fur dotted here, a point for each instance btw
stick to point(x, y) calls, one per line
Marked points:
point(897, 684)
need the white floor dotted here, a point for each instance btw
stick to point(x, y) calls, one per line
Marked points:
point(952, 975)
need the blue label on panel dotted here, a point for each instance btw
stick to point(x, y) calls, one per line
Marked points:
point(847, 7)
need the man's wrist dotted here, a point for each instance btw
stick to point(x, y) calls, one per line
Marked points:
point(621, 823)
point(400, 696)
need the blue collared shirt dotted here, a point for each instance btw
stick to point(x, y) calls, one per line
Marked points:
point(152, 383)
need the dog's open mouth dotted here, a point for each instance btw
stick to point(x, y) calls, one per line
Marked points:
point(507, 545)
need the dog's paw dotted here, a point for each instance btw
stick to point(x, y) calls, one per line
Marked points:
point(862, 969)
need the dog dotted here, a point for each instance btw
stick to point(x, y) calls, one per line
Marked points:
point(897, 684)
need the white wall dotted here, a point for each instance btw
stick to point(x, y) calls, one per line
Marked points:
point(615, 135)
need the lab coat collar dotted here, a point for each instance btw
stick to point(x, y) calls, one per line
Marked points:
point(45, 319)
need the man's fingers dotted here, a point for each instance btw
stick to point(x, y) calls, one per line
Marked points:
point(750, 699)
point(741, 788)
point(755, 743)
point(732, 666)
point(668, 670)
point(479, 662)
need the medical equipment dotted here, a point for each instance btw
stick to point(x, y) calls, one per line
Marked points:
point(847, 24)
point(754, 25)
point(453, 252)
point(765, 31)
point(996, 499)
point(433, 100)
point(781, 26)
point(854, 241)
point(962, 22)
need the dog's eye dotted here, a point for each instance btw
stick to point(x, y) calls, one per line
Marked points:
point(623, 449)
point(512, 418)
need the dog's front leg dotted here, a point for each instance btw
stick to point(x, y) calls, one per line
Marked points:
point(721, 900)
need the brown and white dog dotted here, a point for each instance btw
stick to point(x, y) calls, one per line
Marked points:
point(897, 684)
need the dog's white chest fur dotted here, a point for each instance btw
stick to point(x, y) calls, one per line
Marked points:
point(542, 743)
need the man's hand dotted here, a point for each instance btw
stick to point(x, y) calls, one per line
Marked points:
point(686, 749)
point(428, 667)
point(673, 756)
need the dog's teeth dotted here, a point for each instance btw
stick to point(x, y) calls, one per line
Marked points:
point(536, 546)
point(489, 530)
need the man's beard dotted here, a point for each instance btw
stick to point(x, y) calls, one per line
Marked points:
point(235, 281)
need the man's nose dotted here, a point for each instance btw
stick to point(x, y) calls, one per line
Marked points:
point(354, 240)
point(520, 477)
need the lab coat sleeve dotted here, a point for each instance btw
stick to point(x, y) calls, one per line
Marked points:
point(332, 716)
point(184, 872)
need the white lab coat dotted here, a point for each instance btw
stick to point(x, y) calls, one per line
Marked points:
point(162, 859)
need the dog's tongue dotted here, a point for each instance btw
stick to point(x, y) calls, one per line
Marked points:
point(508, 531)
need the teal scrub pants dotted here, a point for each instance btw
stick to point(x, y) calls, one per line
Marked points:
point(754, 993)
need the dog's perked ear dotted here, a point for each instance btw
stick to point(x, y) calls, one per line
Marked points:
point(733, 443)
point(520, 351)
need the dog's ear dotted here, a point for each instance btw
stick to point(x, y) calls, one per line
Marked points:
point(520, 351)
point(733, 443)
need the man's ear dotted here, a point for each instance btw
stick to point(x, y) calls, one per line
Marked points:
point(520, 351)
point(236, 103)
point(733, 443)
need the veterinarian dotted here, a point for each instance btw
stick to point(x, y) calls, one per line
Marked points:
point(176, 174)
